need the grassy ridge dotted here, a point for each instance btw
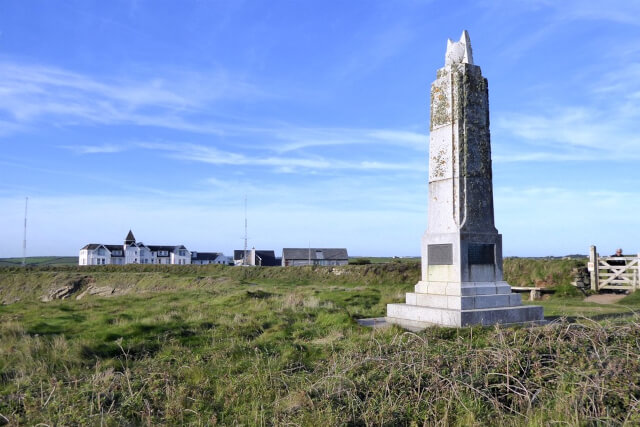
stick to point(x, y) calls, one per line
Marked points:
point(40, 261)
point(34, 282)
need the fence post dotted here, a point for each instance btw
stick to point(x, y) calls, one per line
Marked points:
point(636, 283)
point(593, 263)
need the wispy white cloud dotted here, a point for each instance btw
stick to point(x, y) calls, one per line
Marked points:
point(381, 44)
point(29, 93)
point(605, 126)
point(292, 138)
point(554, 17)
point(95, 149)
point(569, 133)
point(284, 164)
point(619, 11)
point(9, 127)
point(37, 94)
point(622, 81)
point(399, 137)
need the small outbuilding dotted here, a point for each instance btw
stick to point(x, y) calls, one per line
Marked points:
point(314, 256)
point(264, 258)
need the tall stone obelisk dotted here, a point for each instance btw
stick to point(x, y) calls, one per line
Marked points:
point(462, 280)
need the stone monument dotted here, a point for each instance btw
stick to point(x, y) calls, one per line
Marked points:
point(461, 280)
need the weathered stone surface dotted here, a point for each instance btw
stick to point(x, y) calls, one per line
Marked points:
point(65, 291)
point(462, 281)
point(459, 52)
point(101, 291)
point(76, 285)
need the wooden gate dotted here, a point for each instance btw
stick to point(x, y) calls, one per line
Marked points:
point(611, 272)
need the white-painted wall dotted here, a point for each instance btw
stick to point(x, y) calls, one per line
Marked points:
point(132, 255)
point(98, 256)
point(180, 256)
point(140, 254)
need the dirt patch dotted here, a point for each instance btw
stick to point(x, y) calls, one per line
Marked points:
point(605, 298)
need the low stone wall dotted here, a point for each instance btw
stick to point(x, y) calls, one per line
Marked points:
point(581, 278)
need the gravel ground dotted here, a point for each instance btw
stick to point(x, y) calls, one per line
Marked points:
point(605, 298)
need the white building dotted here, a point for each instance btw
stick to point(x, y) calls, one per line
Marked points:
point(204, 258)
point(132, 252)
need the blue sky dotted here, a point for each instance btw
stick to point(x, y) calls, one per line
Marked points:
point(159, 116)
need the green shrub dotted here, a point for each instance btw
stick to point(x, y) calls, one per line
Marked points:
point(565, 290)
point(537, 272)
point(632, 299)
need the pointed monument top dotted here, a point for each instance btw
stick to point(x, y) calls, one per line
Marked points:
point(460, 51)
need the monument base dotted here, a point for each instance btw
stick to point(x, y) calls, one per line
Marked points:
point(462, 304)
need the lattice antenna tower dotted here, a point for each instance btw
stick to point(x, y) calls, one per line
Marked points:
point(24, 238)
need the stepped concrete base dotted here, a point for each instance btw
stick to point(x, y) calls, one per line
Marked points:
point(415, 317)
point(459, 304)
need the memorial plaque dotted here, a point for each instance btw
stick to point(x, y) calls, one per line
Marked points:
point(440, 254)
point(481, 253)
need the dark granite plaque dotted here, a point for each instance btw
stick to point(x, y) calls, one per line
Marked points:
point(440, 254)
point(481, 253)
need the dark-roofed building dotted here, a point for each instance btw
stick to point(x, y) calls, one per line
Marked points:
point(117, 253)
point(132, 252)
point(210, 258)
point(314, 256)
point(264, 258)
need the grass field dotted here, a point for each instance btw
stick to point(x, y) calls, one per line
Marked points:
point(258, 346)
point(384, 260)
point(40, 261)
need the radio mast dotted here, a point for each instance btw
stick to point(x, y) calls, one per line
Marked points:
point(24, 239)
point(244, 261)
